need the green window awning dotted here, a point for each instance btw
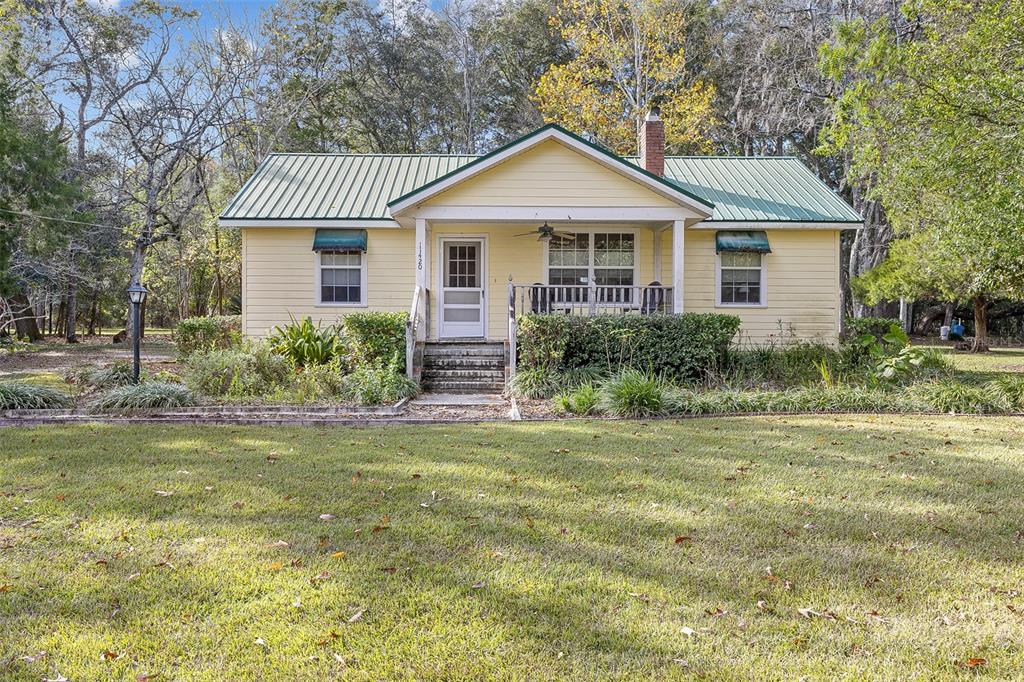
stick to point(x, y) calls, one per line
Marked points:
point(340, 240)
point(751, 242)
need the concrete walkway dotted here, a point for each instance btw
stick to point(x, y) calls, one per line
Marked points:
point(459, 399)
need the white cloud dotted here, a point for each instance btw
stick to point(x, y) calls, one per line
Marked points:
point(105, 4)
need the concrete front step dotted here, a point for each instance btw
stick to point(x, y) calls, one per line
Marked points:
point(481, 361)
point(464, 350)
point(447, 386)
point(463, 374)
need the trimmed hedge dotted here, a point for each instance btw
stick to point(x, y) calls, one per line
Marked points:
point(375, 339)
point(686, 346)
point(207, 333)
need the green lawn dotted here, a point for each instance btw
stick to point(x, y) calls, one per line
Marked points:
point(526, 551)
point(986, 366)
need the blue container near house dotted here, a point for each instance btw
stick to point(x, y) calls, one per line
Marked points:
point(956, 331)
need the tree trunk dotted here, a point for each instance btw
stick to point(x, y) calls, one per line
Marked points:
point(71, 312)
point(93, 312)
point(25, 323)
point(947, 319)
point(980, 325)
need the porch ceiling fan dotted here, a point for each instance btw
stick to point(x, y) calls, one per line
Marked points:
point(546, 232)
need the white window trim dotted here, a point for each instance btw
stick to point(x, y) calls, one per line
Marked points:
point(590, 258)
point(764, 285)
point(318, 268)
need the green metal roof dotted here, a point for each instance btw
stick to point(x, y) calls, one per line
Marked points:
point(360, 186)
point(339, 240)
point(755, 241)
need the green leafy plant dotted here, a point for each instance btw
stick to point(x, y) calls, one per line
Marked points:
point(634, 394)
point(319, 382)
point(581, 401)
point(207, 333)
point(252, 371)
point(21, 396)
point(374, 338)
point(305, 343)
point(685, 346)
point(149, 394)
point(368, 385)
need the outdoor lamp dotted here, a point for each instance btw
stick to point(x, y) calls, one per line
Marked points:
point(137, 295)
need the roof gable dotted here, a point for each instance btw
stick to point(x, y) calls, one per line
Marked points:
point(544, 136)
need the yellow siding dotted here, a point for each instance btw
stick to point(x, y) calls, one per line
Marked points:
point(549, 174)
point(802, 282)
point(279, 277)
point(801, 286)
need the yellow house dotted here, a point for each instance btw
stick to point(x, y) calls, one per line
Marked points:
point(548, 223)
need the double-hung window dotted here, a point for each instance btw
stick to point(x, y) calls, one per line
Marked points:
point(606, 259)
point(340, 267)
point(740, 276)
point(341, 277)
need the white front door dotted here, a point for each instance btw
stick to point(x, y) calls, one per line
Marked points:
point(463, 291)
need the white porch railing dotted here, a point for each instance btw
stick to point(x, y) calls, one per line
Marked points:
point(587, 300)
point(417, 328)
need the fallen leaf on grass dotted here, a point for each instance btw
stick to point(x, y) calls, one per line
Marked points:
point(280, 543)
point(59, 678)
point(683, 539)
point(276, 566)
point(689, 632)
point(762, 605)
point(327, 517)
point(320, 577)
point(332, 635)
point(109, 655)
point(6, 587)
point(260, 642)
point(391, 570)
point(238, 505)
point(417, 476)
point(165, 563)
point(357, 616)
point(478, 585)
point(146, 677)
point(717, 613)
point(975, 662)
point(642, 597)
point(338, 555)
point(164, 493)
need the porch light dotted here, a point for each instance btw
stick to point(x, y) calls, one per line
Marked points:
point(137, 296)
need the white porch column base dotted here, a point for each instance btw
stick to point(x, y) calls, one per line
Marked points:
point(678, 237)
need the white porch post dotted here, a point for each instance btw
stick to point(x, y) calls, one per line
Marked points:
point(678, 236)
point(422, 253)
point(657, 254)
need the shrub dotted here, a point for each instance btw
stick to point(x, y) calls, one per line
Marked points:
point(307, 344)
point(582, 401)
point(633, 394)
point(319, 382)
point(146, 395)
point(877, 327)
point(207, 333)
point(684, 346)
point(953, 396)
point(806, 399)
point(237, 372)
point(368, 385)
point(19, 396)
point(375, 338)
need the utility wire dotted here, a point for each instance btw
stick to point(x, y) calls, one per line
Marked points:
point(59, 220)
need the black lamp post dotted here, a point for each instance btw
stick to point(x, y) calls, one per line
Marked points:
point(136, 294)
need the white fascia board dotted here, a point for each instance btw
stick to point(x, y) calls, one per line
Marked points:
point(772, 225)
point(306, 224)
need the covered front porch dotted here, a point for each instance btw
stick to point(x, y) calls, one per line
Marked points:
point(473, 280)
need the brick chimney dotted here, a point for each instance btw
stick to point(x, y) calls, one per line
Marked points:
point(652, 142)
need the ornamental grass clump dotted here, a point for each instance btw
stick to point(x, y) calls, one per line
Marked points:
point(20, 396)
point(149, 394)
point(954, 397)
point(634, 394)
point(99, 378)
point(580, 401)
